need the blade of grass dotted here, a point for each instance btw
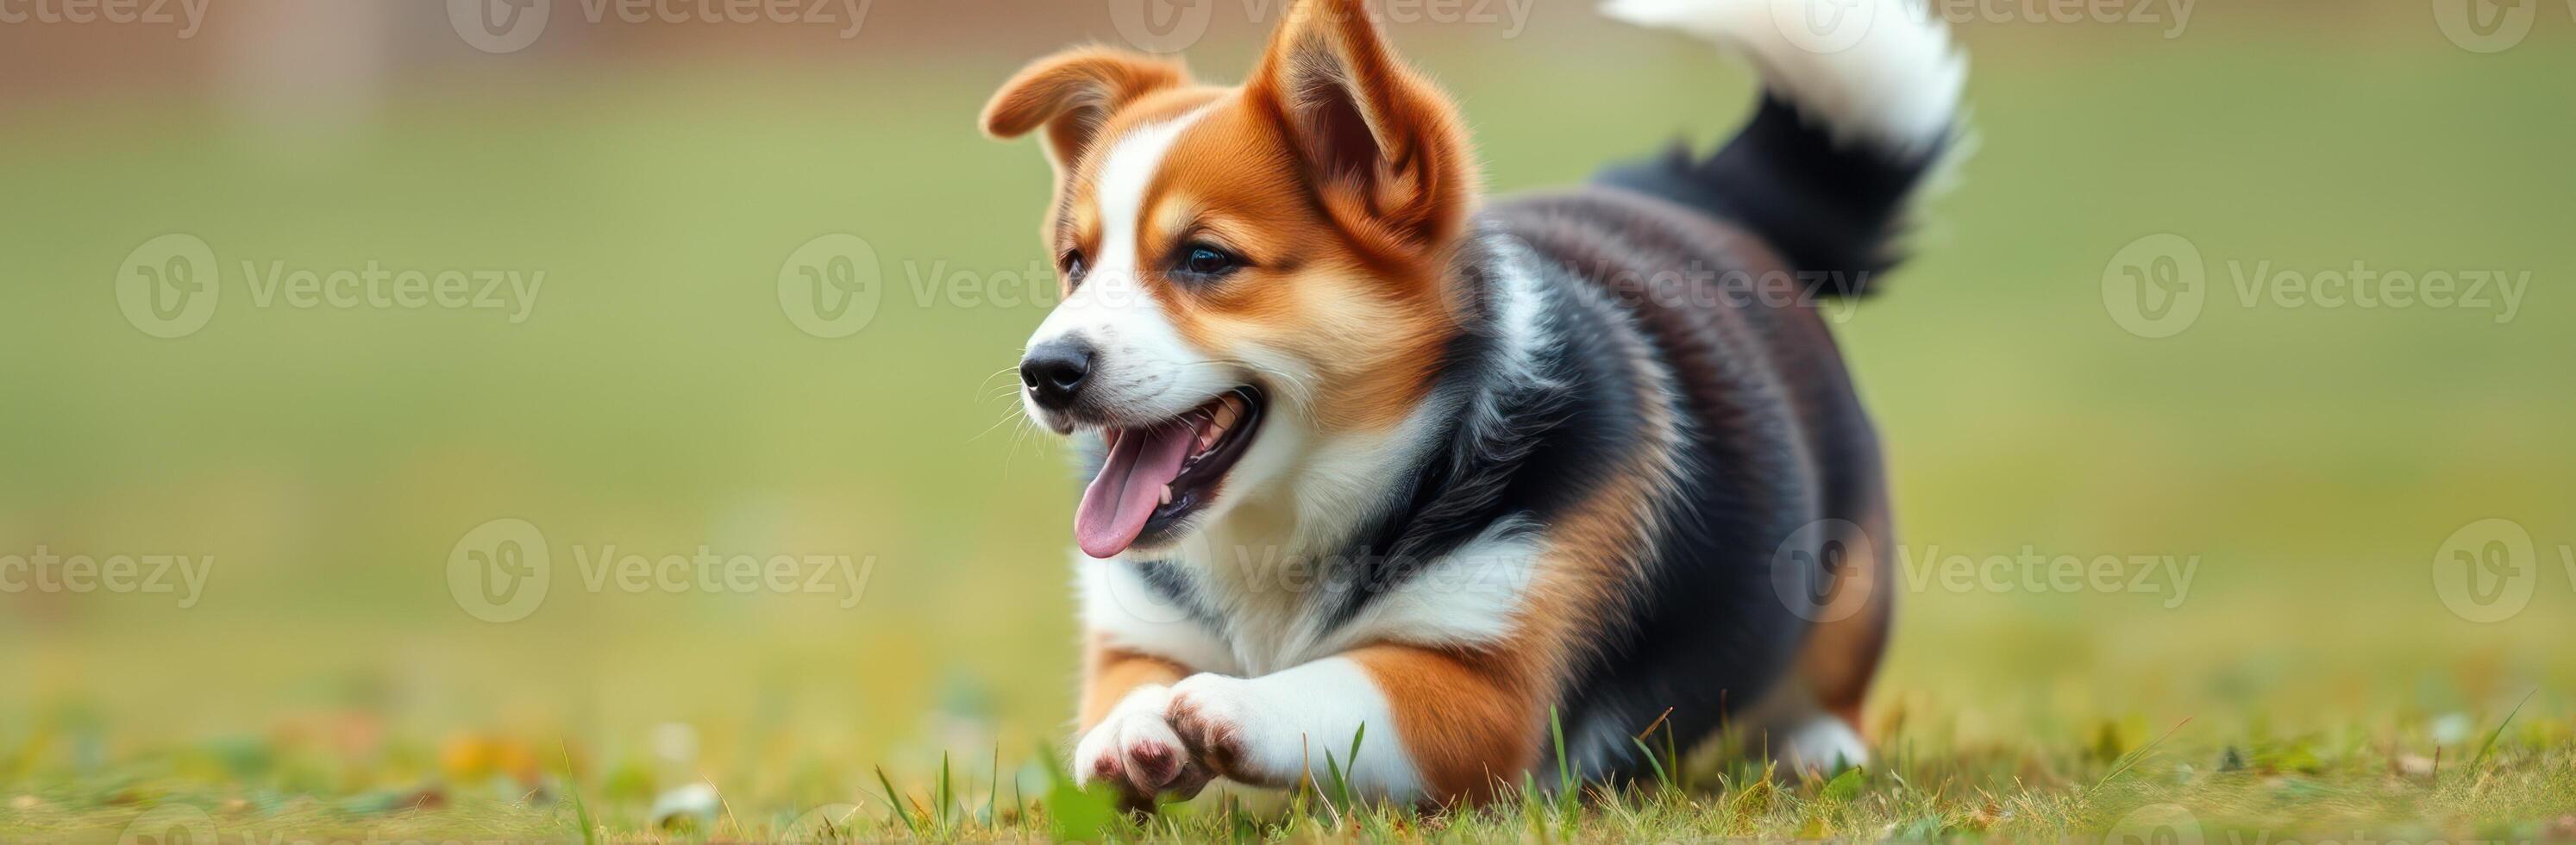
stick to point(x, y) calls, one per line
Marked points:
point(2131, 759)
point(1661, 778)
point(1305, 777)
point(947, 793)
point(1356, 736)
point(1556, 732)
point(996, 793)
point(895, 800)
point(1341, 785)
point(580, 810)
point(2498, 733)
point(1566, 798)
point(1350, 798)
point(725, 803)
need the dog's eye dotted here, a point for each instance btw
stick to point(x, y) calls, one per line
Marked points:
point(1072, 264)
point(1206, 261)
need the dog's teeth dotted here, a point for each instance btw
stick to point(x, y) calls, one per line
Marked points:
point(1167, 494)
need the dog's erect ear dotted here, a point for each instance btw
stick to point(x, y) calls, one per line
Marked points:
point(1384, 146)
point(1071, 93)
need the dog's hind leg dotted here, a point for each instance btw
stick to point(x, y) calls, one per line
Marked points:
point(1850, 636)
point(1812, 720)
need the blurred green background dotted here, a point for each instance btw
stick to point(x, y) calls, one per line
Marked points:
point(658, 397)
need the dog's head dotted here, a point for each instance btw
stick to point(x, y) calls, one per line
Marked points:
point(1253, 276)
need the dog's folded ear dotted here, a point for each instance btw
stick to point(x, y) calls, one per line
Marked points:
point(1072, 93)
point(1384, 146)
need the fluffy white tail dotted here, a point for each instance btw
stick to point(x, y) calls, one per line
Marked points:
point(1880, 72)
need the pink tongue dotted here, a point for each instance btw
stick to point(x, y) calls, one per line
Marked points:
point(1129, 487)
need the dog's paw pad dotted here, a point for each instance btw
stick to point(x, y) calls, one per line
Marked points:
point(1137, 753)
point(1152, 764)
point(1210, 713)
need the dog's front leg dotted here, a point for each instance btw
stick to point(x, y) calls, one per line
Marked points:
point(1125, 741)
point(1443, 725)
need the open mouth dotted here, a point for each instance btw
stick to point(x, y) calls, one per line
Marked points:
point(1157, 474)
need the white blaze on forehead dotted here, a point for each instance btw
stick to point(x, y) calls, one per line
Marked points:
point(1124, 176)
point(1142, 366)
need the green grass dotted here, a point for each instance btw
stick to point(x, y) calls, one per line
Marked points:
point(2313, 460)
point(2297, 790)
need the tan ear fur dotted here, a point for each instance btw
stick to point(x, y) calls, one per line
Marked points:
point(1071, 93)
point(1384, 146)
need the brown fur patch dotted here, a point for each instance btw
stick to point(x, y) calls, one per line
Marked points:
point(1470, 720)
point(1109, 673)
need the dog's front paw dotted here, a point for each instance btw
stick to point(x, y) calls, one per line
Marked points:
point(1137, 753)
point(1219, 718)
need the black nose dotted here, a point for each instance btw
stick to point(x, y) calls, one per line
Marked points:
point(1054, 372)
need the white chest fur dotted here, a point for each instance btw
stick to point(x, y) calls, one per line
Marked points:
point(1251, 614)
